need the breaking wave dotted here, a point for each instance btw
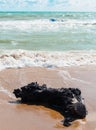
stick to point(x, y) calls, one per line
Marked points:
point(45, 24)
point(22, 58)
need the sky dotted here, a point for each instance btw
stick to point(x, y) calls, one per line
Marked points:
point(48, 5)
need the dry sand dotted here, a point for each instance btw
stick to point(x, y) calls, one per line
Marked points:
point(15, 116)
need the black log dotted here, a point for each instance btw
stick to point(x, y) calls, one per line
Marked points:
point(61, 99)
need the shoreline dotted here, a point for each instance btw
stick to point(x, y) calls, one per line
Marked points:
point(22, 116)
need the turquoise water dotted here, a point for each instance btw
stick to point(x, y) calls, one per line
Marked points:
point(48, 31)
point(47, 39)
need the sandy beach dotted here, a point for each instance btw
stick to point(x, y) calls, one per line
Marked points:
point(16, 116)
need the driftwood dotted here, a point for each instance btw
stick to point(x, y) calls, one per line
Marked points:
point(61, 99)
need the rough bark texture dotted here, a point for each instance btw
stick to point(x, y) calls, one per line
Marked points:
point(61, 99)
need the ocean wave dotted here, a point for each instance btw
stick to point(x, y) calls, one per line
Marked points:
point(23, 58)
point(45, 24)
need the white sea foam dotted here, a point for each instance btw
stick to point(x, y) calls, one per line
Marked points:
point(35, 25)
point(45, 24)
point(22, 58)
point(14, 43)
point(5, 91)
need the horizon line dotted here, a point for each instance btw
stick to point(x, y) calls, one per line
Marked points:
point(25, 11)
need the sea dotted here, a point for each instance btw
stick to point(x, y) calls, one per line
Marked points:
point(47, 39)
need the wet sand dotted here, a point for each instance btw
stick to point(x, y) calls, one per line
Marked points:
point(15, 116)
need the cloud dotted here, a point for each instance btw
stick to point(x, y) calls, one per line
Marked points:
point(86, 5)
point(33, 4)
point(63, 5)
